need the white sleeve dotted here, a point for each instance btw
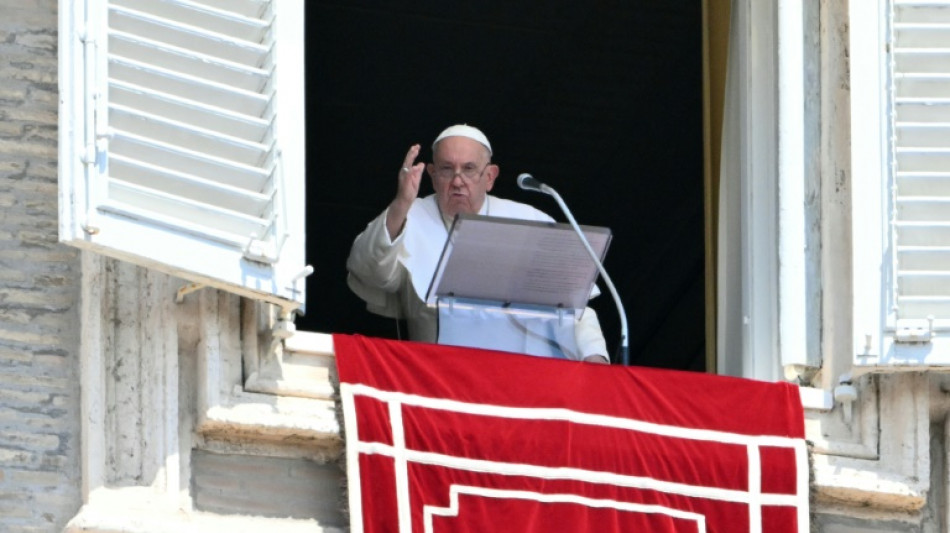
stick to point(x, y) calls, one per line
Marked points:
point(588, 335)
point(373, 264)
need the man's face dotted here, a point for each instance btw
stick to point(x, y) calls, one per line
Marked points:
point(461, 175)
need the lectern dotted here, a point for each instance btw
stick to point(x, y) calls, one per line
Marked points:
point(514, 285)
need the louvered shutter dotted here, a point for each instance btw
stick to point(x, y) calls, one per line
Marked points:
point(921, 162)
point(900, 160)
point(184, 139)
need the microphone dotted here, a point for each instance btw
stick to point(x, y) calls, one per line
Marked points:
point(530, 183)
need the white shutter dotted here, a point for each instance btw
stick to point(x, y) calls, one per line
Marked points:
point(184, 138)
point(900, 90)
point(921, 125)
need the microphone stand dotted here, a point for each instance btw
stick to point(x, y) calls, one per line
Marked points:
point(624, 347)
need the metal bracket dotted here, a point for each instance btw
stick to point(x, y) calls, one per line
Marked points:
point(846, 394)
point(185, 290)
point(915, 333)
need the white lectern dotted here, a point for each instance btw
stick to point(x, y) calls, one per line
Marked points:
point(514, 285)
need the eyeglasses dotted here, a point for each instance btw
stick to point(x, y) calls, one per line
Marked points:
point(469, 173)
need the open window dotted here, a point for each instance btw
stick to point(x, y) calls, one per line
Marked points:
point(182, 147)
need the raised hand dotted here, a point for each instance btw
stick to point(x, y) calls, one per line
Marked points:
point(410, 175)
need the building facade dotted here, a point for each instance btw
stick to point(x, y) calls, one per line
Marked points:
point(142, 395)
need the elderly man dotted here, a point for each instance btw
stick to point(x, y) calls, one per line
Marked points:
point(393, 259)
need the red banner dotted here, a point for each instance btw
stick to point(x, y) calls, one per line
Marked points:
point(443, 439)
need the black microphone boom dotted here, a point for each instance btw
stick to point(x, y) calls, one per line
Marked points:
point(530, 183)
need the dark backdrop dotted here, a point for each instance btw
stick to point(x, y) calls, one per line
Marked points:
point(601, 100)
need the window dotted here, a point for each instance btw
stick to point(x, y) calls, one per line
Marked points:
point(901, 182)
point(182, 147)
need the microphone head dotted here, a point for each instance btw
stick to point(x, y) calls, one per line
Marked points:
point(528, 182)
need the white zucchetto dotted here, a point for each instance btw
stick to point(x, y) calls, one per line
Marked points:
point(464, 130)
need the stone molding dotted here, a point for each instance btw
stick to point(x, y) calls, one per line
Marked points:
point(881, 458)
point(161, 378)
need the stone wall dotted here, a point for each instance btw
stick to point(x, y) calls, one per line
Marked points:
point(39, 285)
point(280, 487)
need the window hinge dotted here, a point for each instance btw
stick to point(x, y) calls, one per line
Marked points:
point(264, 251)
point(915, 332)
point(260, 251)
